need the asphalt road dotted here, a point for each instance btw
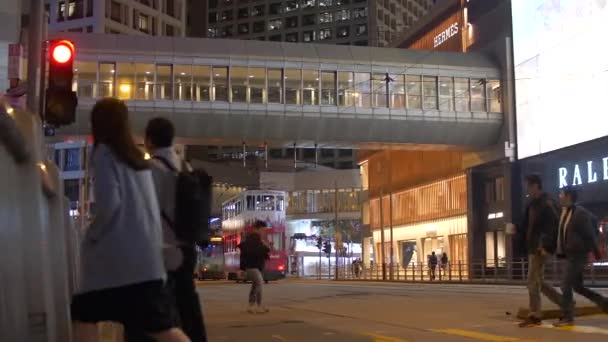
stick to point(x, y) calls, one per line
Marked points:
point(385, 312)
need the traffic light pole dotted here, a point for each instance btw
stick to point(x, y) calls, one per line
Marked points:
point(34, 44)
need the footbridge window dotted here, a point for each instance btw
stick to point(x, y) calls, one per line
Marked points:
point(289, 86)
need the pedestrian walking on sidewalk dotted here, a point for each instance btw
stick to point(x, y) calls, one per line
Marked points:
point(538, 235)
point(577, 237)
point(433, 261)
point(254, 254)
point(122, 265)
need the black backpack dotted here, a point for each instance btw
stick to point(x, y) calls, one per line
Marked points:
point(193, 191)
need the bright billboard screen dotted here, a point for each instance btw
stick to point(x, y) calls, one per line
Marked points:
point(561, 72)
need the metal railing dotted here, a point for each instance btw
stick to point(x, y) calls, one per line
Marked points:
point(481, 271)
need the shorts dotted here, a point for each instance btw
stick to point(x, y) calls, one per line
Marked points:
point(143, 307)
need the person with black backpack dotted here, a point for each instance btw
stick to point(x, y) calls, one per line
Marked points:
point(185, 202)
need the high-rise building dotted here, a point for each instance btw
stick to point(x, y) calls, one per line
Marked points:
point(152, 17)
point(345, 22)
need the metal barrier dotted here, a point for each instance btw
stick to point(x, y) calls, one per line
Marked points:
point(38, 247)
point(489, 272)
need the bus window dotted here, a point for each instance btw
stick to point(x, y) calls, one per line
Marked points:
point(280, 203)
point(250, 203)
point(268, 203)
point(275, 241)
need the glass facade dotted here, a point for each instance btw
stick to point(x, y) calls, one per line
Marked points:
point(259, 85)
point(323, 201)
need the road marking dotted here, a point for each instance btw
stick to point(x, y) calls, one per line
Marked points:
point(478, 335)
point(279, 337)
point(579, 329)
point(382, 338)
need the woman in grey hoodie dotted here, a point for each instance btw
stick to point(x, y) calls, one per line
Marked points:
point(122, 267)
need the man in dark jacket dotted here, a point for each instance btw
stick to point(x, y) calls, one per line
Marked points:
point(538, 232)
point(576, 239)
point(254, 254)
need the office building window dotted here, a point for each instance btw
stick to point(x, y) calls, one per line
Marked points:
point(238, 84)
point(257, 11)
point(144, 81)
point(309, 36)
point(275, 85)
point(75, 9)
point(343, 31)
point(291, 5)
point(309, 19)
point(308, 3)
point(429, 89)
point(291, 37)
point(243, 28)
point(275, 24)
point(397, 91)
point(259, 26)
point(379, 84)
point(212, 17)
point(346, 89)
point(494, 96)
point(170, 8)
point(478, 95)
point(220, 84)
point(201, 80)
point(310, 90)
point(446, 94)
point(243, 13)
point(89, 8)
point(328, 88)
point(325, 17)
point(227, 15)
point(325, 3)
point(342, 15)
point(414, 92)
point(361, 29)
point(361, 43)
point(143, 23)
point(291, 22)
point(324, 34)
point(341, 2)
point(164, 82)
point(360, 12)
point(257, 85)
point(363, 93)
point(212, 32)
point(293, 84)
point(275, 38)
point(227, 31)
point(462, 94)
point(125, 80)
point(116, 11)
point(107, 72)
point(275, 8)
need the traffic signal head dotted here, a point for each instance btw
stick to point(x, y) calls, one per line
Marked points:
point(327, 247)
point(61, 101)
point(319, 242)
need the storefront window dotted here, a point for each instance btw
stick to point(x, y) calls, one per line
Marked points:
point(414, 92)
point(346, 89)
point(429, 88)
point(200, 80)
point(293, 84)
point(495, 249)
point(328, 88)
point(311, 87)
point(446, 94)
point(458, 249)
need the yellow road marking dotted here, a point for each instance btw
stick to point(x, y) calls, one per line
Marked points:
point(579, 329)
point(279, 337)
point(478, 335)
point(382, 338)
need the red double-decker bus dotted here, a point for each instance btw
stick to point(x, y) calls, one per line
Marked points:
point(239, 215)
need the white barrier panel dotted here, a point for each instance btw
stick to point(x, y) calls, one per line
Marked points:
point(13, 304)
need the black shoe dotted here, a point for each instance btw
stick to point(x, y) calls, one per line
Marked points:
point(530, 322)
point(564, 322)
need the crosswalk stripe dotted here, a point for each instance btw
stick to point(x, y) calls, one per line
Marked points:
point(579, 329)
point(382, 338)
point(478, 335)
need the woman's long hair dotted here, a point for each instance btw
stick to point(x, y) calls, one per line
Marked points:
point(110, 125)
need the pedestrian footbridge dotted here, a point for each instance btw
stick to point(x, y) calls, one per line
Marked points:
point(233, 91)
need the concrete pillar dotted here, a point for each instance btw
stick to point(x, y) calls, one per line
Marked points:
point(366, 248)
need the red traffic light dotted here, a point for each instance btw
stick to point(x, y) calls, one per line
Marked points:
point(62, 51)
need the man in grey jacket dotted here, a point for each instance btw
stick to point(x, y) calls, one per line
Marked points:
point(576, 239)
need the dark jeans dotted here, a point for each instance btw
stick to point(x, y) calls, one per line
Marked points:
point(189, 315)
point(573, 281)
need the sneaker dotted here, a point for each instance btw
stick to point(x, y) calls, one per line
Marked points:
point(251, 309)
point(530, 322)
point(262, 309)
point(564, 322)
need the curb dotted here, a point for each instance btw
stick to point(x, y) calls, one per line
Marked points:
point(523, 313)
